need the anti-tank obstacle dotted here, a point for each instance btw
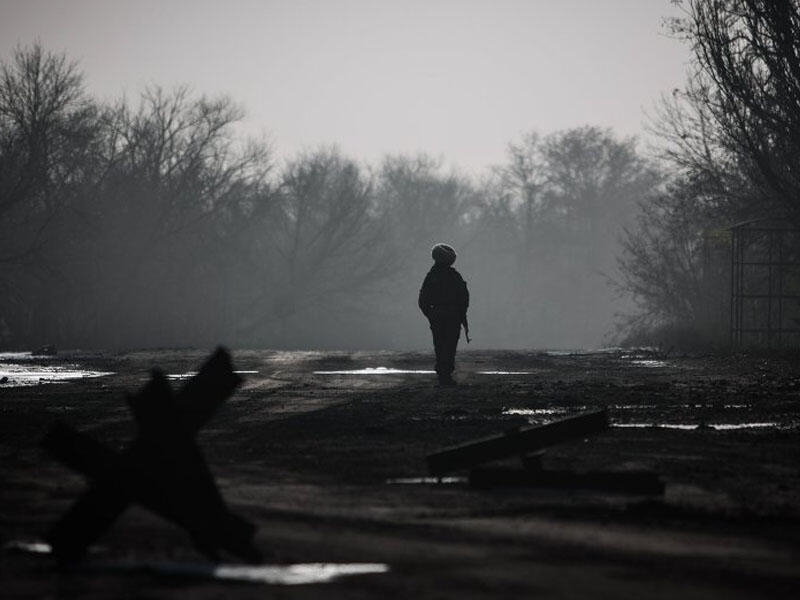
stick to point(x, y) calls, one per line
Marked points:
point(529, 444)
point(163, 469)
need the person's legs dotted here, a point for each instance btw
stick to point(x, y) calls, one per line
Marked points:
point(451, 333)
point(438, 331)
point(446, 329)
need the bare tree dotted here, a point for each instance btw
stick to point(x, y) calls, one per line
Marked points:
point(746, 85)
point(522, 182)
point(177, 191)
point(47, 127)
point(734, 136)
point(564, 199)
point(665, 263)
point(422, 203)
point(577, 186)
point(48, 134)
point(321, 246)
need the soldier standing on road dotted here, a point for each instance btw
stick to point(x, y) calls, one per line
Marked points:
point(444, 300)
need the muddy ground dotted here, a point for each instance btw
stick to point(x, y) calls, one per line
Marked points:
point(314, 460)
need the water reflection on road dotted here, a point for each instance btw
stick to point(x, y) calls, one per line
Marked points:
point(291, 574)
point(376, 371)
point(19, 369)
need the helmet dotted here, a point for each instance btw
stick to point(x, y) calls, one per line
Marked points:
point(443, 254)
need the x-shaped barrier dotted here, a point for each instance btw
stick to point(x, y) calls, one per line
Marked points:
point(163, 469)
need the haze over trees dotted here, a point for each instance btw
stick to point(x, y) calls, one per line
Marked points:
point(149, 223)
point(732, 143)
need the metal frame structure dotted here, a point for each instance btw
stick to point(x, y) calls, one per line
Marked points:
point(763, 251)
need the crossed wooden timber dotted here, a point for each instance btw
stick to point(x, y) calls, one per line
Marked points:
point(163, 469)
point(529, 444)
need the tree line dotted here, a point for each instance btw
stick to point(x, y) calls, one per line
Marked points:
point(151, 223)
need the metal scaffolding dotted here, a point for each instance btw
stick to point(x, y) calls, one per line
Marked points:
point(765, 284)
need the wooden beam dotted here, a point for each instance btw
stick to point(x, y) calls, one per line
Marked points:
point(520, 442)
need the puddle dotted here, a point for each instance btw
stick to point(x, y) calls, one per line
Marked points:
point(536, 415)
point(376, 371)
point(540, 416)
point(650, 363)
point(536, 412)
point(295, 574)
point(29, 547)
point(427, 480)
point(15, 355)
point(181, 376)
point(505, 372)
point(190, 374)
point(729, 426)
point(392, 371)
point(655, 425)
point(28, 374)
point(586, 352)
point(716, 426)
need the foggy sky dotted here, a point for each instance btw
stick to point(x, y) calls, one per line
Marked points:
point(454, 78)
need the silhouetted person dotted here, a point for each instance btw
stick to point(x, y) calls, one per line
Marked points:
point(444, 300)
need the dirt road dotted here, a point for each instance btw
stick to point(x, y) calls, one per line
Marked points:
point(321, 451)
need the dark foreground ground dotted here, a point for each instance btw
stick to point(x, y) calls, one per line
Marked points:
point(308, 457)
